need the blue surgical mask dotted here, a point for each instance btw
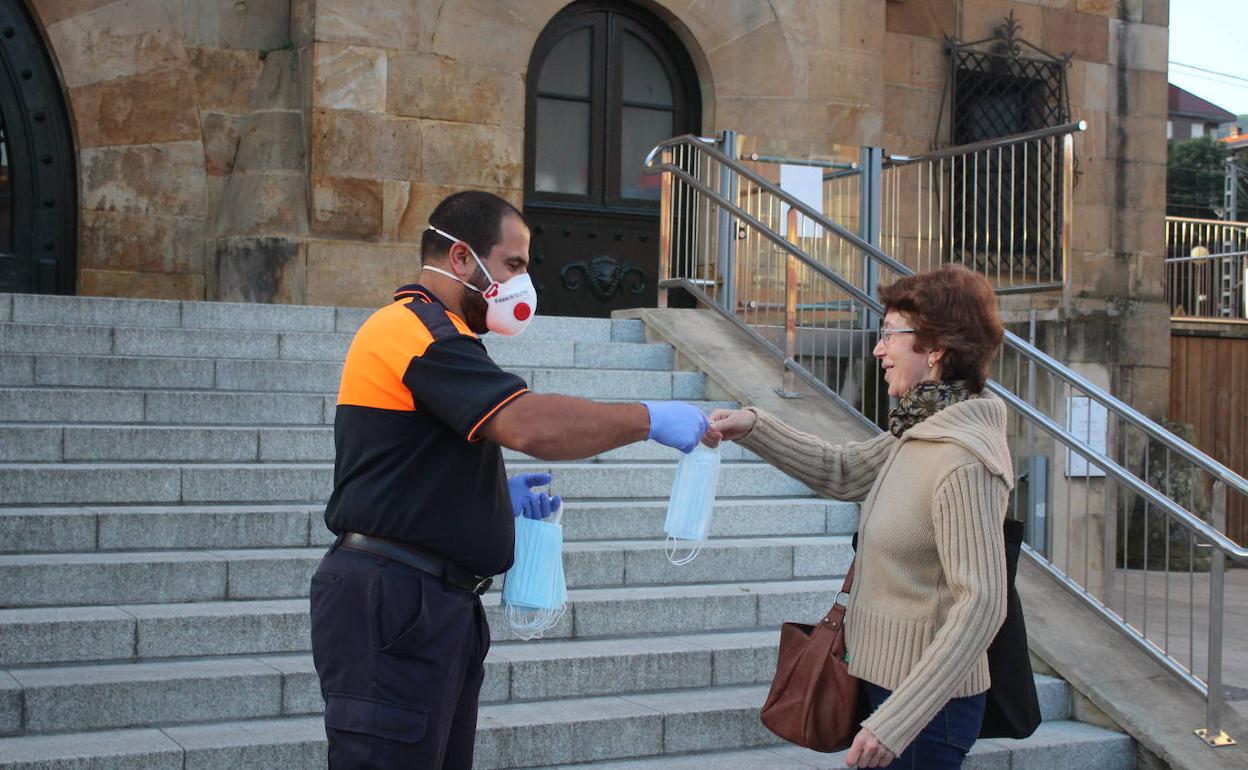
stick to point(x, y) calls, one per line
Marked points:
point(689, 509)
point(535, 592)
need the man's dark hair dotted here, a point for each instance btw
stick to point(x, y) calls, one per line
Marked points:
point(473, 215)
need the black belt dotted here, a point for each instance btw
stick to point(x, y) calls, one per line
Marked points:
point(417, 558)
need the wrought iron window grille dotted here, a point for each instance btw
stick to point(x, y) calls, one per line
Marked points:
point(996, 87)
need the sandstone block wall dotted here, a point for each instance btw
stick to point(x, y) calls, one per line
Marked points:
point(1112, 315)
point(291, 150)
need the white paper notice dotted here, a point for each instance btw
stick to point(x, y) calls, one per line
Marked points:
point(806, 184)
point(1088, 421)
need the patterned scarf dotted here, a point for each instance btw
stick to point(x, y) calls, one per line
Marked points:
point(923, 401)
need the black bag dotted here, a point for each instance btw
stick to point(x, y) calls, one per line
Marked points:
point(1013, 708)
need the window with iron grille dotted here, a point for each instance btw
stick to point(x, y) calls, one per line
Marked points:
point(1003, 217)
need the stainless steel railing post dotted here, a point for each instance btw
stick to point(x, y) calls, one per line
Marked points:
point(665, 228)
point(1212, 733)
point(788, 384)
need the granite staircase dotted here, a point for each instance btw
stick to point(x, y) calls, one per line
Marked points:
point(163, 469)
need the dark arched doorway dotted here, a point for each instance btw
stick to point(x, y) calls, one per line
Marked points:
point(606, 82)
point(38, 190)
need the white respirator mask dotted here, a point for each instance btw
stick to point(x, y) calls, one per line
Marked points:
point(510, 306)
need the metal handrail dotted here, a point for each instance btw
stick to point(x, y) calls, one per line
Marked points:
point(1199, 221)
point(705, 288)
point(1206, 257)
point(987, 144)
point(1054, 367)
point(648, 167)
point(1053, 428)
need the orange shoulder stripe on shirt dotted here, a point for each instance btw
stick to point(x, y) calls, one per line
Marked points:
point(460, 325)
point(380, 354)
point(472, 434)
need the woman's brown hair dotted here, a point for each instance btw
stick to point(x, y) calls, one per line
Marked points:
point(955, 309)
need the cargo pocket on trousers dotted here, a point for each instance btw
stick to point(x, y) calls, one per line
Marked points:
point(380, 719)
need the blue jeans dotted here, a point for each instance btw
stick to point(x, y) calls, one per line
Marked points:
point(943, 744)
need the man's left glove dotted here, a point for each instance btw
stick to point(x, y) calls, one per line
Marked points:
point(525, 501)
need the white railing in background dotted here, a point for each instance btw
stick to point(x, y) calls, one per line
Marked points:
point(1207, 268)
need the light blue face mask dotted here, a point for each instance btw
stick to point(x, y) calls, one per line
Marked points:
point(535, 593)
point(693, 499)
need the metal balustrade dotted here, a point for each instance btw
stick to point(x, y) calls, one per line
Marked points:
point(1207, 268)
point(1124, 513)
point(1001, 208)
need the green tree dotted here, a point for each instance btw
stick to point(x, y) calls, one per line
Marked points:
point(1195, 176)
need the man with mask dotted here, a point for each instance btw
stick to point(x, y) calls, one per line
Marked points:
point(421, 504)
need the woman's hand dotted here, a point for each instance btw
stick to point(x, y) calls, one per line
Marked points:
point(728, 425)
point(867, 751)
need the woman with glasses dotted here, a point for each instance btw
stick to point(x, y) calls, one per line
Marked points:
point(929, 591)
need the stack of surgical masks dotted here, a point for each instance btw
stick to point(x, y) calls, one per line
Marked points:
point(689, 510)
point(535, 593)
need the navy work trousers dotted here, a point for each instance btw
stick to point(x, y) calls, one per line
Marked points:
point(400, 655)
point(943, 744)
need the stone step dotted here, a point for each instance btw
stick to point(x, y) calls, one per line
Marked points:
point(45, 580)
point(116, 695)
point(260, 399)
point(23, 443)
point(52, 635)
point(142, 484)
point(1059, 744)
point(103, 311)
point(154, 528)
point(592, 346)
point(538, 671)
point(298, 742)
point(49, 408)
point(277, 408)
point(309, 375)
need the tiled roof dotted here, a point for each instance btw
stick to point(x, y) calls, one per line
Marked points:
point(1192, 106)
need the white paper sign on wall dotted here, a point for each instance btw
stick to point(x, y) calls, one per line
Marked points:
point(1088, 421)
point(806, 184)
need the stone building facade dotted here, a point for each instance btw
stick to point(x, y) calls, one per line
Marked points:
point(290, 150)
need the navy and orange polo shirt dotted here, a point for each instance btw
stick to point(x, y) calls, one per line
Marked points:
point(410, 463)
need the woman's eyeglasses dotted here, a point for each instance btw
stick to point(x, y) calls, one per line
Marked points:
point(886, 334)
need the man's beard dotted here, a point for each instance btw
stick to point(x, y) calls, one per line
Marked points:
point(474, 306)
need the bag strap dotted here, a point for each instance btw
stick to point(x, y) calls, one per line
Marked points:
point(836, 613)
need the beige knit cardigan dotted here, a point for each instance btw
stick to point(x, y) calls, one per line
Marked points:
point(930, 587)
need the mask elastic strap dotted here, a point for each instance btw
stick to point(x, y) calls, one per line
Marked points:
point(453, 277)
point(471, 251)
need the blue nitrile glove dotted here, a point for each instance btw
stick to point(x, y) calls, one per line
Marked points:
point(520, 488)
point(676, 424)
point(540, 506)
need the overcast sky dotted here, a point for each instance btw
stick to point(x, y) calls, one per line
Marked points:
point(1210, 34)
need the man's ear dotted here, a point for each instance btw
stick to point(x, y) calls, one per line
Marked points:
point(460, 260)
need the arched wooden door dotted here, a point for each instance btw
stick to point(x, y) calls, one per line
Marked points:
point(606, 82)
point(38, 189)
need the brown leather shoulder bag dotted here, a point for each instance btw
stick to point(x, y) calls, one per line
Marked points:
point(814, 702)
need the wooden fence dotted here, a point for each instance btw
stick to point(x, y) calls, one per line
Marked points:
point(1209, 390)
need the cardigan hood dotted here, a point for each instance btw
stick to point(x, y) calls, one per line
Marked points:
point(977, 425)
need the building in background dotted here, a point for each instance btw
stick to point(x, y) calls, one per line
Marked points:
point(290, 151)
point(1191, 117)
